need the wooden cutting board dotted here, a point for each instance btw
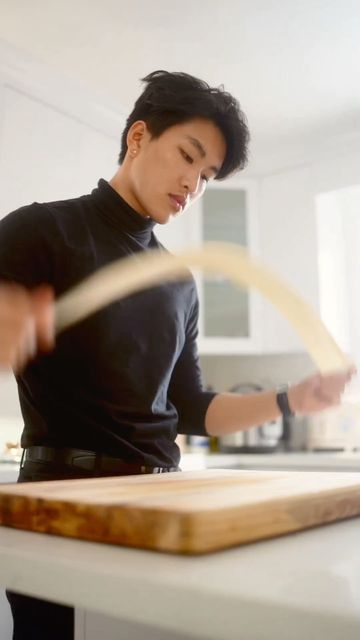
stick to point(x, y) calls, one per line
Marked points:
point(189, 513)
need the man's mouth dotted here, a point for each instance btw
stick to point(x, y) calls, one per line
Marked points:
point(178, 202)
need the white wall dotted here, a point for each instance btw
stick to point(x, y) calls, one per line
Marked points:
point(288, 244)
point(54, 143)
point(334, 293)
point(350, 206)
point(339, 265)
point(288, 230)
point(336, 170)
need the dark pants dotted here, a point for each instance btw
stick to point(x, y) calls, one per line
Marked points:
point(36, 619)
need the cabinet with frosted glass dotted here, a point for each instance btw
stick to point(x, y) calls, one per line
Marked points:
point(229, 315)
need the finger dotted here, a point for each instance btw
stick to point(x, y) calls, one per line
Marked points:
point(26, 346)
point(329, 395)
point(346, 375)
point(336, 381)
point(44, 312)
point(11, 343)
point(330, 391)
point(322, 396)
point(351, 373)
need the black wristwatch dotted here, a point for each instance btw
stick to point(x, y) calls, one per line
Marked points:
point(282, 400)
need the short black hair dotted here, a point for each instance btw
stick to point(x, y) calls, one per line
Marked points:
point(173, 98)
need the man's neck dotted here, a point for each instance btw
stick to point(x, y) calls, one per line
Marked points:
point(121, 184)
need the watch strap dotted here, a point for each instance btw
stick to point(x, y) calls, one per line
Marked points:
point(282, 400)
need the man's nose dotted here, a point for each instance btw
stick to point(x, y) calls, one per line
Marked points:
point(191, 182)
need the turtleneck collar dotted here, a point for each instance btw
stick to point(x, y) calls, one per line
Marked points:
point(118, 213)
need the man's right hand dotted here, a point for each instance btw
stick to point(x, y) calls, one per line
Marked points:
point(26, 324)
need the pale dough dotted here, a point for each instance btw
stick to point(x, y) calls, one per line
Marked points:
point(128, 275)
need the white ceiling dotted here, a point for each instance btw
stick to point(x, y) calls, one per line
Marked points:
point(293, 64)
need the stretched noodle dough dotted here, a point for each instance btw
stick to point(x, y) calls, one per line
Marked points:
point(140, 271)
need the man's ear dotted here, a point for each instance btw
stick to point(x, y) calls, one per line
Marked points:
point(136, 135)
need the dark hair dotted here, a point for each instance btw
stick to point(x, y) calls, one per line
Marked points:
point(174, 98)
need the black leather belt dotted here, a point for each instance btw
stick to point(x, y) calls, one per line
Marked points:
point(89, 461)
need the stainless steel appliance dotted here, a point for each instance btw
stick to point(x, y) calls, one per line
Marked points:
point(263, 438)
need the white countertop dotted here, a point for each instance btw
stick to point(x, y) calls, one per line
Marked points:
point(304, 585)
point(299, 460)
point(9, 471)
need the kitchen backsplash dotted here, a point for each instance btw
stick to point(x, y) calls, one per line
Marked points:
point(223, 372)
point(10, 432)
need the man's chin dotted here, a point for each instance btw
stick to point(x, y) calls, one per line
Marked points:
point(163, 218)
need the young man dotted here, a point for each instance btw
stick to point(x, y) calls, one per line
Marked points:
point(114, 391)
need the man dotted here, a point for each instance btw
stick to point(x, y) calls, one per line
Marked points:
point(111, 395)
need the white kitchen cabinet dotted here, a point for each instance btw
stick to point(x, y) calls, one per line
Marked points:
point(230, 318)
point(91, 626)
point(6, 623)
point(107, 628)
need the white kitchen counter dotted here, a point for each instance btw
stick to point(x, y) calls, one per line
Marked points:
point(302, 585)
point(300, 461)
point(9, 471)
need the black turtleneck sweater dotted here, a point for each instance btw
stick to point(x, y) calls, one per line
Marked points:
point(126, 380)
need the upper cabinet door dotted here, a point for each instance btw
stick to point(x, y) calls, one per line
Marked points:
point(230, 316)
point(226, 309)
point(229, 319)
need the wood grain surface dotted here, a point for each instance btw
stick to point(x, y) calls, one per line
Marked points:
point(188, 513)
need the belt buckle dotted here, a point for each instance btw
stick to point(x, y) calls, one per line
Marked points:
point(84, 462)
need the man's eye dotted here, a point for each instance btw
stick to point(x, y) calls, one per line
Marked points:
point(186, 156)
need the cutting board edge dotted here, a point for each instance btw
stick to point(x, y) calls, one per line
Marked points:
point(44, 516)
point(178, 532)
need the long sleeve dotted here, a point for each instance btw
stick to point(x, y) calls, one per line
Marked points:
point(24, 253)
point(186, 389)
